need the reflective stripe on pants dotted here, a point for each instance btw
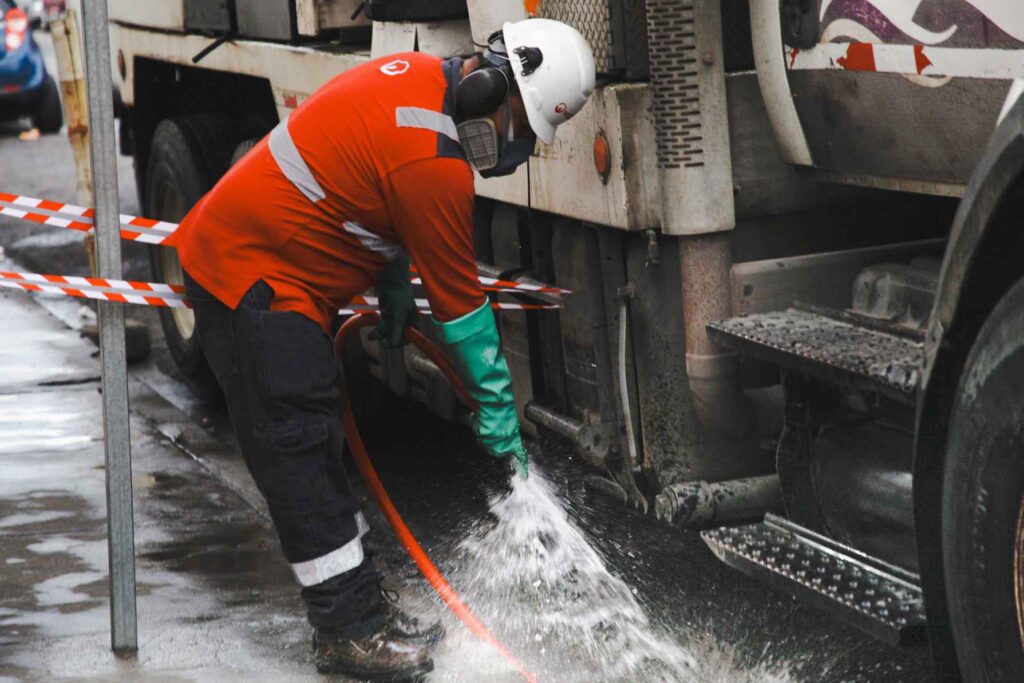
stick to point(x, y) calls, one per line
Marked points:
point(337, 562)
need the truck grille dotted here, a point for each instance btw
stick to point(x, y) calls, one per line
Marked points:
point(615, 29)
point(589, 17)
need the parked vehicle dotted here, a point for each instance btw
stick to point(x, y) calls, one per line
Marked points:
point(830, 190)
point(26, 89)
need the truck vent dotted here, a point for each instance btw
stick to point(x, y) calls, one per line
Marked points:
point(589, 17)
point(674, 91)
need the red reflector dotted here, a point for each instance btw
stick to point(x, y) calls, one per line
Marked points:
point(11, 88)
point(602, 156)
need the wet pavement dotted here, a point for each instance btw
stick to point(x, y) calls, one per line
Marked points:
point(216, 600)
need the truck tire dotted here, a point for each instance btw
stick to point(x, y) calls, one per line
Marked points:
point(983, 500)
point(48, 116)
point(243, 148)
point(187, 157)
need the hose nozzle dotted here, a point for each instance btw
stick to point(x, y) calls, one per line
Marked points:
point(521, 465)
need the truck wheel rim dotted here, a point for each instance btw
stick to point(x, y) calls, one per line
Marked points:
point(1018, 570)
point(172, 204)
point(184, 318)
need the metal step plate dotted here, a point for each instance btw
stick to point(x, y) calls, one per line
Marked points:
point(823, 347)
point(867, 593)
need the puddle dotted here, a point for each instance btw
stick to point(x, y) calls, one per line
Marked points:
point(225, 551)
point(66, 590)
point(31, 518)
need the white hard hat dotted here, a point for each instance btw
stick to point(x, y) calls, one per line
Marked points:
point(554, 69)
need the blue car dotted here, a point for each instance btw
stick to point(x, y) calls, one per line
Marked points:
point(26, 89)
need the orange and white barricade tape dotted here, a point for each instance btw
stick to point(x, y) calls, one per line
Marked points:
point(491, 284)
point(58, 215)
point(124, 291)
point(173, 296)
point(148, 231)
point(373, 303)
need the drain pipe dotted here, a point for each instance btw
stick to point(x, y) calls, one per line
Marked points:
point(713, 372)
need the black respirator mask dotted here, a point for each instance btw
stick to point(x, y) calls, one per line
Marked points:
point(490, 151)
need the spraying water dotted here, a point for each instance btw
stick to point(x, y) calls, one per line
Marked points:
point(542, 589)
point(540, 585)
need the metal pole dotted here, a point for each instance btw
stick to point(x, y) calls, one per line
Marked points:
point(120, 524)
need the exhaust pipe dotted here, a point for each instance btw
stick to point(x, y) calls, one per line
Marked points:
point(699, 503)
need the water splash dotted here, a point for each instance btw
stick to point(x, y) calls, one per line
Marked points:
point(545, 591)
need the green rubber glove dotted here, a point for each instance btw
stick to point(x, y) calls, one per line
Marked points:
point(475, 350)
point(397, 305)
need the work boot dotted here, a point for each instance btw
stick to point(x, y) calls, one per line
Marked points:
point(407, 626)
point(383, 656)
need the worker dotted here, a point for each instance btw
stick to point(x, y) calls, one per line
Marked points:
point(374, 168)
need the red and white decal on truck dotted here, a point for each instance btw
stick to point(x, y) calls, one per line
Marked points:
point(289, 99)
point(951, 38)
point(916, 60)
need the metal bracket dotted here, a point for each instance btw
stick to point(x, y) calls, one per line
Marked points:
point(202, 54)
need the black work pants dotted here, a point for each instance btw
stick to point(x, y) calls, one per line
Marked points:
point(280, 379)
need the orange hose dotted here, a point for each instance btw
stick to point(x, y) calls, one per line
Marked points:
point(360, 455)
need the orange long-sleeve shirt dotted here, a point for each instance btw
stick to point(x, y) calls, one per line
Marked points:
point(368, 167)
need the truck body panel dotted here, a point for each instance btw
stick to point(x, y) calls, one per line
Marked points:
point(894, 95)
point(294, 71)
point(162, 14)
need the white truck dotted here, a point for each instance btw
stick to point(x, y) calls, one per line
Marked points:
point(792, 230)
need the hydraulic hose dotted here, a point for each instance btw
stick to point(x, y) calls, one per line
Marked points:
point(627, 412)
point(369, 473)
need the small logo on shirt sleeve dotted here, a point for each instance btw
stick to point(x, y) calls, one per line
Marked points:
point(395, 68)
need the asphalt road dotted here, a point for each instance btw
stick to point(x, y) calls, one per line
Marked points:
point(739, 629)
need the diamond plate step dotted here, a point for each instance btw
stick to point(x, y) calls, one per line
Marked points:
point(881, 599)
point(833, 350)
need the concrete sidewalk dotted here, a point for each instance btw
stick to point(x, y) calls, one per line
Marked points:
point(216, 599)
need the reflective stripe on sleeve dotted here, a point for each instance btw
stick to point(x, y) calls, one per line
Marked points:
point(291, 163)
point(344, 559)
point(417, 117)
point(392, 251)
